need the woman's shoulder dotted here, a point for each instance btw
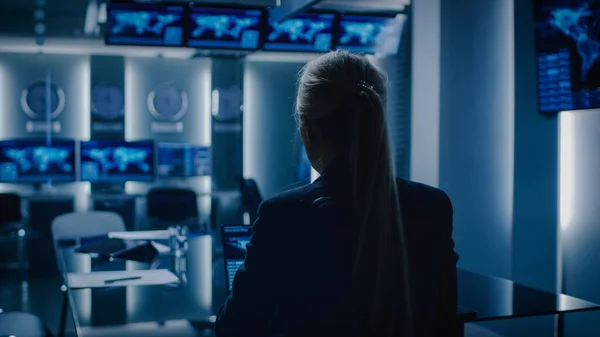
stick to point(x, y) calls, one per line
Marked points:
point(411, 191)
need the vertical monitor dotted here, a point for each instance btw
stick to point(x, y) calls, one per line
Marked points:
point(117, 161)
point(307, 32)
point(371, 34)
point(568, 54)
point(130, 23)
point(182, 160)
point(235, 239)
point(225, 28)
point(37, 161)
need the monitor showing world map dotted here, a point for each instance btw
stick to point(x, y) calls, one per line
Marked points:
point(371, 34)
point(307, 32)
point(145, 24)
point(568, 54)
point(229, 28)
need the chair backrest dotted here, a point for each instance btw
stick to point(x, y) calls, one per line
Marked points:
point(82, 224)
point(172, 204)
point(21, 324)
point(10, 208)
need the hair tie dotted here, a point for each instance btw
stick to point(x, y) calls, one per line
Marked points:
point(365, 85)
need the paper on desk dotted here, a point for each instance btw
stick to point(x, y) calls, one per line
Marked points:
point(140, 235)
point(96, 279)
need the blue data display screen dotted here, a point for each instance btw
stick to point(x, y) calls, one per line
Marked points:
point(568, 55)
point(117, 161)
point(225, 28)
point(308, 32)
point(36, 161)
point(235, 240)
point(148, 25)
point(180, 160)
point(371, 34)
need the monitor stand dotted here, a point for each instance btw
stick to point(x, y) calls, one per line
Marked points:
point(44, 188)
point(108, 188)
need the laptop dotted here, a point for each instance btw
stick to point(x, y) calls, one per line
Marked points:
point(235, 239)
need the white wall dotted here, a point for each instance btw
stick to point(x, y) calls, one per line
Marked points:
point(580, 214)
point(425, 118)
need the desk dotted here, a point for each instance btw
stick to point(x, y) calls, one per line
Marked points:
point(167, 310)
point(495, 298)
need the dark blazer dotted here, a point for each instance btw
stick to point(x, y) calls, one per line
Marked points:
point(297, 275)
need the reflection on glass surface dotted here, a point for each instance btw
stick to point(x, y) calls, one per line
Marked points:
point(117, 306)
point(496, 298)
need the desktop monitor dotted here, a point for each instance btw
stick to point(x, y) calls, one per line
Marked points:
point(371, 34)
point(307, 32)
point(37, 161)
point(182, 160)
point(225, 28)
point(568, 55)
point(235, 239)
point(117, 161)
point(130, 23)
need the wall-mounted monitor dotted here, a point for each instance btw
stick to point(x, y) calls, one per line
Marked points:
point(371, 34)
point(112, 161)
point(129, 23)
point(568, 55)
point(225, 28)
point(306, 32)
point(182, 160)
point(37, 161)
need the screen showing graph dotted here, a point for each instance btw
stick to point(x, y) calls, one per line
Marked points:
point(307, 32)
point(182, 160)
point(37, 161)
point(371, 34)
point(227, 28)
point(568, 54)
point(145, 24)
point(117, 161)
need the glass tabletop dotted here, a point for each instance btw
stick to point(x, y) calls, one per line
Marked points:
point(496, 298)
point(183, 308)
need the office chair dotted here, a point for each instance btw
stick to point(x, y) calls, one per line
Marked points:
point(77, 225)
point(21, 324)
point(42, 210)
point(171, 206)
point(11, 226)
point(251, 198)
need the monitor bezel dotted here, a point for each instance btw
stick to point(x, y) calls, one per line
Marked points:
point(75, 174)
point(334, 33)
point(162, 177)
point(184, 22)
point(382, 14)
point(263, 26)
point(536, 45)
point(223, 227)
point(152, 177)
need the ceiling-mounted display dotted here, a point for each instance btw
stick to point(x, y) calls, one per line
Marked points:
point(568, 55)
point(371, 34)
point(307, 32)
point(167, 102)
point(225, 28)
point(34, 100)
point(108, 101)
point(145, 24)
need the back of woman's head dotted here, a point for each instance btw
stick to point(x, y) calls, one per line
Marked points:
point(341, 117)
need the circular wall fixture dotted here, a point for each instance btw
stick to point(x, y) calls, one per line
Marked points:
point(167, 102)
point(33, 100)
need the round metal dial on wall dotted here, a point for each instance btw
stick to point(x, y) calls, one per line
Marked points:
point(167, 101)
point(34, 100)
point(108, 101)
